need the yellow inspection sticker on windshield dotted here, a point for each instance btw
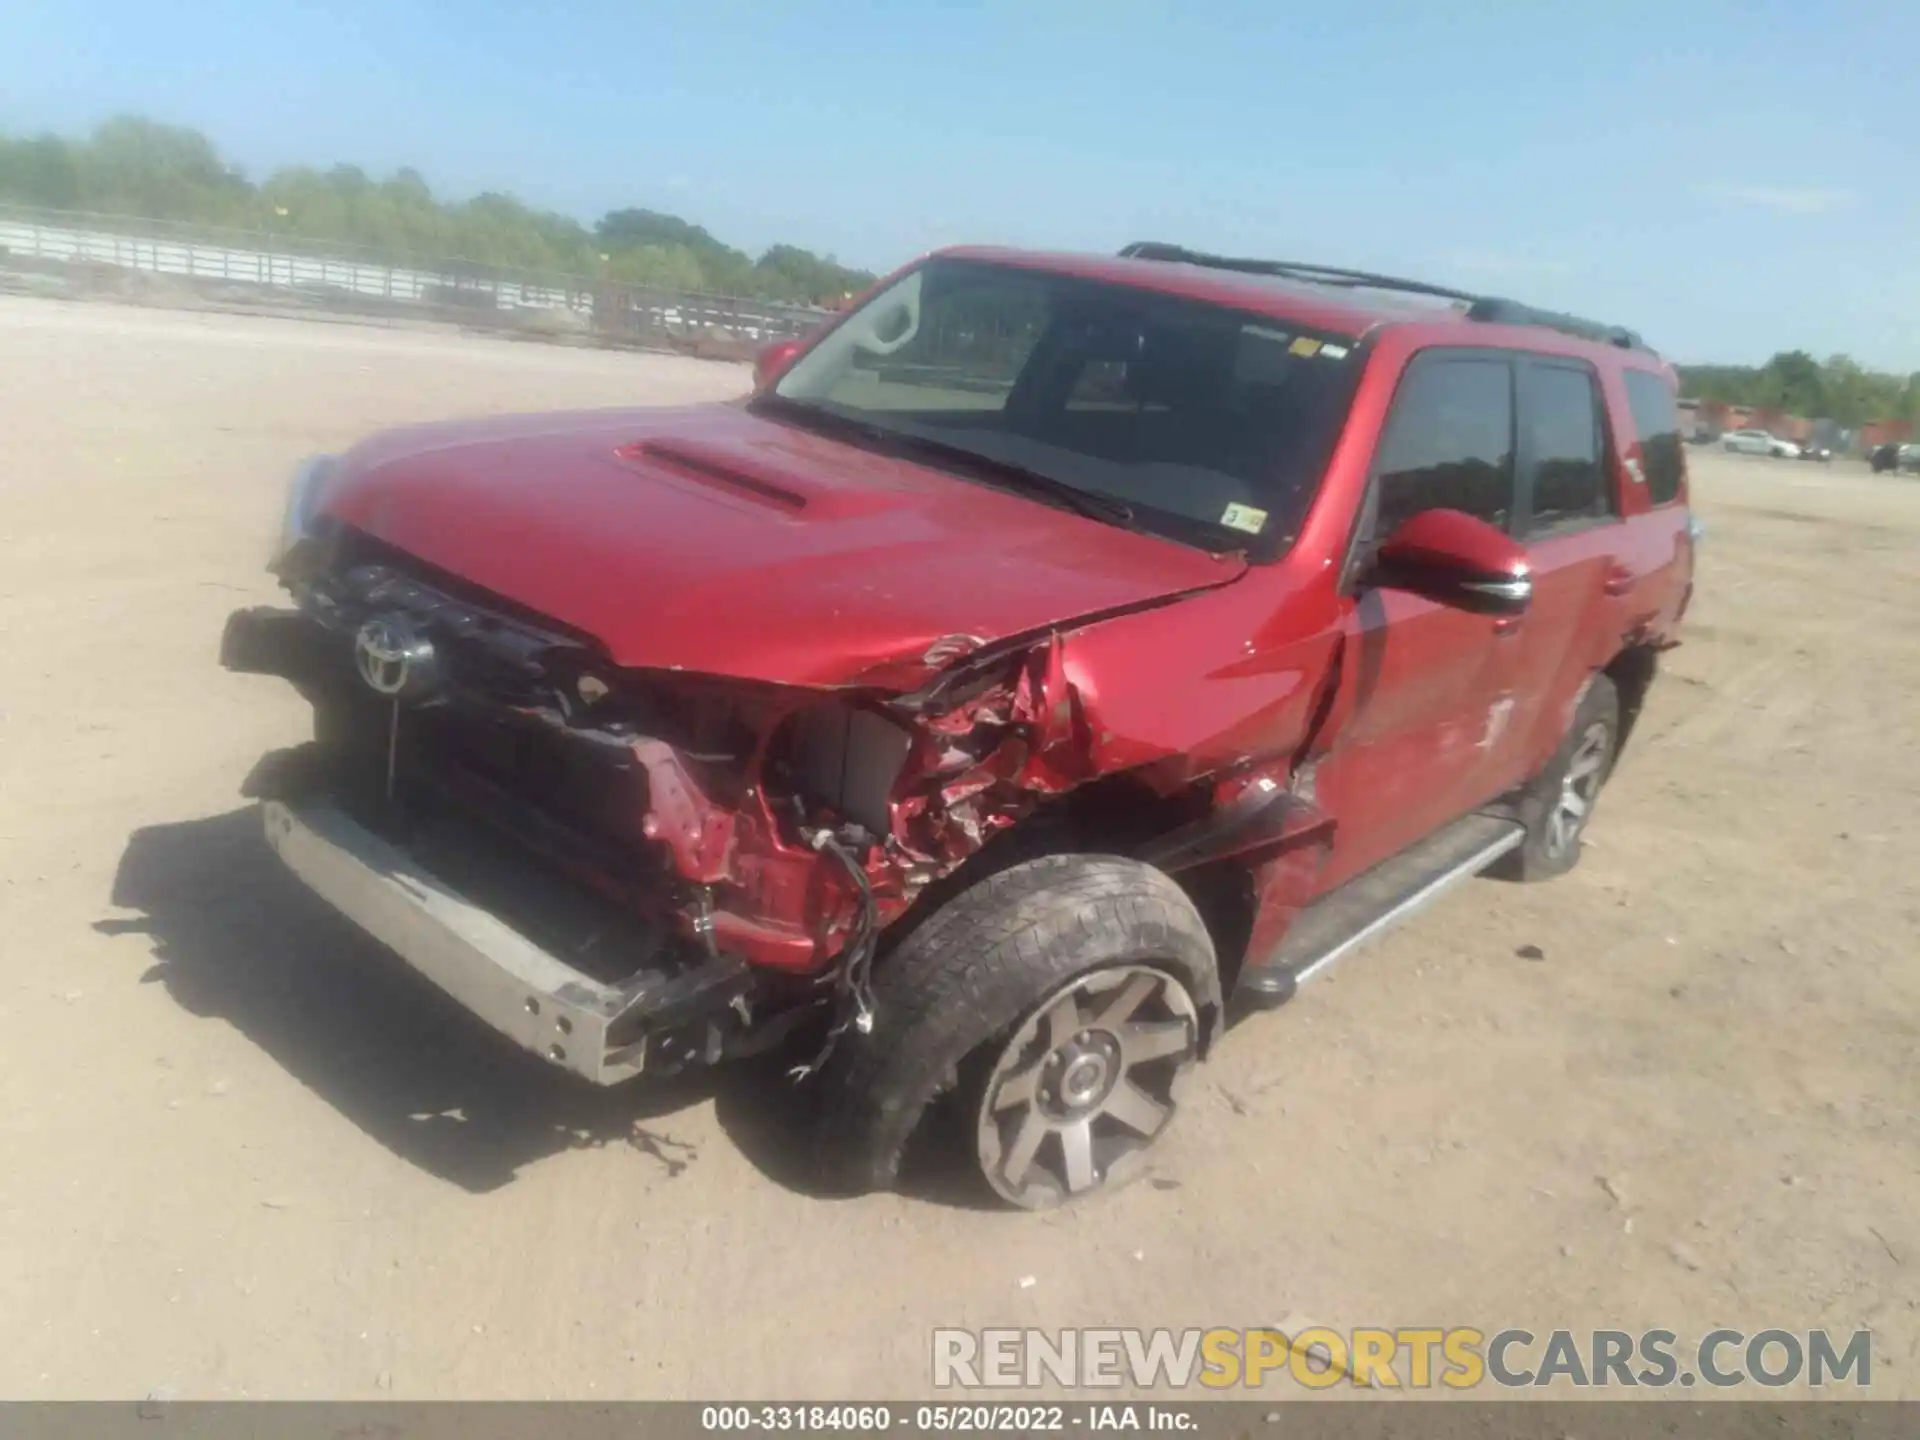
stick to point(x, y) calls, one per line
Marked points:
point(1243, 517)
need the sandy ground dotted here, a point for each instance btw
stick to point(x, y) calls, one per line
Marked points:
point(242, 1154)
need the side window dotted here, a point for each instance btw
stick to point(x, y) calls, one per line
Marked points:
point(1567, 483)
point(1448, 443)
point(1657, 418)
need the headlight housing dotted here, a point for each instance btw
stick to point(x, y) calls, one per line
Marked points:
point(305, 491)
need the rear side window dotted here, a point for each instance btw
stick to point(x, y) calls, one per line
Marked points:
point(1567, 482)
point(1448, 443)
point(1657, 418)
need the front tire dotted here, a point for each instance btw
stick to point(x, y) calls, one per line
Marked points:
point(1061, 1002)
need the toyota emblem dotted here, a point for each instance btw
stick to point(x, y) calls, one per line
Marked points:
point(395, 658)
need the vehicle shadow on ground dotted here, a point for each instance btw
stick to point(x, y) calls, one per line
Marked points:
point(236, 938)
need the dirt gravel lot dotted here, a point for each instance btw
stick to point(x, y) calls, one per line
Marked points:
point(242, 1154)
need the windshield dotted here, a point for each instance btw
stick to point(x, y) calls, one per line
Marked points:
point(1205, 424)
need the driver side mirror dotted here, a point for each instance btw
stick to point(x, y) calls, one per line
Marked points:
point(772, 361)
point(1451, 557)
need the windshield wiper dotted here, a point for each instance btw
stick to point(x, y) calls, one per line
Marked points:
point(1018, 477)
point(1008, 473)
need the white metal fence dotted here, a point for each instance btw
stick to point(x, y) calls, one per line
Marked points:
point(209, 262)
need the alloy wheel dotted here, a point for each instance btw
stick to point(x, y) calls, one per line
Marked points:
point(1579, 788)
point(1087, 1083)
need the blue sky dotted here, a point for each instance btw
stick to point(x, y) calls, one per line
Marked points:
point(1730, 178)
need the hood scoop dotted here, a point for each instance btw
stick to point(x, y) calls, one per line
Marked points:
point(711, 464)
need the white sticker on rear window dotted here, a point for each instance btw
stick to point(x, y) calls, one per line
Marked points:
point(1334, 352)
point(1243, 517)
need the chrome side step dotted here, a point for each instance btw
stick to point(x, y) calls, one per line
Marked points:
point(1336, 925)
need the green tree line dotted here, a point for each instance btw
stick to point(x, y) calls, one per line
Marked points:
point(137, 167)
point(1840, 389)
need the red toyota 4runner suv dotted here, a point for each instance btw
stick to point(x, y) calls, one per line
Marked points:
point(1051, 655)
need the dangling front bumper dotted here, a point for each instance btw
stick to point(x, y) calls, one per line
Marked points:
point(596, 1030)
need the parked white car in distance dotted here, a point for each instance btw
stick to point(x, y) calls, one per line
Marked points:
point(1759, 442)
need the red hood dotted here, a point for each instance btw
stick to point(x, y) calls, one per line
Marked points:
point(713, 540)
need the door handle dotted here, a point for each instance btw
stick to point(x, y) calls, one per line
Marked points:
point(1619, 580)
point(1506, 625)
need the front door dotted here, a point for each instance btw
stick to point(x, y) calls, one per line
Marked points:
point(1422, 724)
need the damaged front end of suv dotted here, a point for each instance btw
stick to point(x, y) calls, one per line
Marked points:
point(626, 868)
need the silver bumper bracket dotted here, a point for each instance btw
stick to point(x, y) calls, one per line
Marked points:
point(520, 989)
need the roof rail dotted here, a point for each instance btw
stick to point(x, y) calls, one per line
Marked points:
point(1495, 311)
point(1288, 269)
point(1488, 309)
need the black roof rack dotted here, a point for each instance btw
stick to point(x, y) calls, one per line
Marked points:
point(1488, 309)
point(1288, 269)
point(1495, 311)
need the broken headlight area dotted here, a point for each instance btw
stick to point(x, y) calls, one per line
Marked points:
point(715, 822)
